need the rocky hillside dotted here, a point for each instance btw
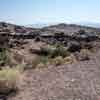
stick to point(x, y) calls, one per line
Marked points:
point(7, 27)
point(66, 28)
point(69, 28)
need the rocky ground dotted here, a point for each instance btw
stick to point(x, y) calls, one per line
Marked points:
point(78, 81)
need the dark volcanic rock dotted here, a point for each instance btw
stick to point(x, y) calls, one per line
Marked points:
point(4, 40)
point(74, 46)
point(38, 38)
point(86, 36)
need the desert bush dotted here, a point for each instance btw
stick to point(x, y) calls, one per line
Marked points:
point(35, 61)
point(41, 65)
point(44, 59)
point(83, 55)
point(50, 55)
point(40, 61)
point(45, 51)
point(58, 61)
point(3, 56)
point(59, 51)
point(92, 50)
point(8, 80)
point(68, 60)
point(55, 51)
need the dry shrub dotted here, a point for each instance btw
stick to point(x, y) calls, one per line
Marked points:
point(68, 60)
point(41, 65)
point(92, 50)
point(54, 51)
point(50, 55)
point(85, 52)
point(83, 55)
point(44, 59)
point(8, 80)
point(60, 51)
point(58, 61)
point(40, 61)
point(35, 62)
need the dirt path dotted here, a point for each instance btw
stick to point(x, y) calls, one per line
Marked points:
point(80, 81)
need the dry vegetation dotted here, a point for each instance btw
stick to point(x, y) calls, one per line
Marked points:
point(52, 55)
point(9, 78)
point(49, 55)
point(54, 51)
point(3, 56)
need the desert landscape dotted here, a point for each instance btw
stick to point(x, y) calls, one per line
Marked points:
point(57, 62)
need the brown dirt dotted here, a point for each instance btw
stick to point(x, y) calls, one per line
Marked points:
point(78, 81)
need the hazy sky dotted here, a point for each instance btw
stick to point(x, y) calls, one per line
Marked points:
point(34, 11)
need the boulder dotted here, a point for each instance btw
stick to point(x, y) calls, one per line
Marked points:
point(38, 39)
point(73, 46)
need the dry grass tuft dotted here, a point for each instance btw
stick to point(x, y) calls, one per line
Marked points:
point(68, 60)
point(8, 79)
point(41, 65)
point(58, 61)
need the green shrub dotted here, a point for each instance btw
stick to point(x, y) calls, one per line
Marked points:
point(40, 61)
point(59, 51)
point(51, 55)
point(44, 59)
point(3, 56)
point(53, 52)
point(45, 51)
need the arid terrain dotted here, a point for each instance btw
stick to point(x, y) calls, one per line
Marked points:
point(59, 62)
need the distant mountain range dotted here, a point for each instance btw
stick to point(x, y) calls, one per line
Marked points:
point(91, 24)
point(48, 28)
point(69, 28)
point(12, 28)
point(41, 25)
